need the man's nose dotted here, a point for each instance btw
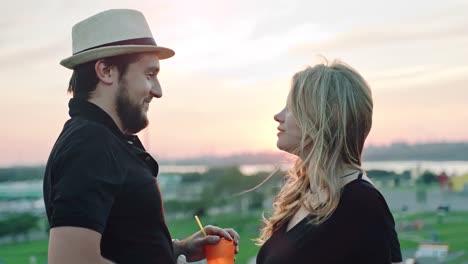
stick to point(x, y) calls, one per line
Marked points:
point(156, 91)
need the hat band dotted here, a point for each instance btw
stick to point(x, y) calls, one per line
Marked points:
point(136, 41)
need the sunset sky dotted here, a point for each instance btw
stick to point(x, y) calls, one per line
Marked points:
point(232, 69)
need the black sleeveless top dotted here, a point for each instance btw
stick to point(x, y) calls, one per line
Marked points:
point(361, 230)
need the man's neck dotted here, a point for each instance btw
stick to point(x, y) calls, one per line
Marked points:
point(110, 109)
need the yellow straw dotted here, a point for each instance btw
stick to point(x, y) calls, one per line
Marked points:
point(200, 225)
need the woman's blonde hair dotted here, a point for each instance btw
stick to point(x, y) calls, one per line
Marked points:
point(333, 108)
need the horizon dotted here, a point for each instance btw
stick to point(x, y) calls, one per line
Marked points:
point(275, 153)
point(233, 65)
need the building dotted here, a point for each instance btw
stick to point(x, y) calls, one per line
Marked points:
point(432, 251)
point(460, 183)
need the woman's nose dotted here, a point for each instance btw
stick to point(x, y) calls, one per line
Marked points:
point(279, 117)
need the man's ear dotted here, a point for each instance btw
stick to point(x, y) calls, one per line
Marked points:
point(106, 74)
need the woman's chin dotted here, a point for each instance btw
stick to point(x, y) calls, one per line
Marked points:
point(283, 147)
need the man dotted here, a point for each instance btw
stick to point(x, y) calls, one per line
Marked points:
point(102, 200)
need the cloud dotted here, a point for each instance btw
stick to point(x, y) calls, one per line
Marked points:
point(34, 56)
point(422, 32)
point(445, 88)
point(417, 113)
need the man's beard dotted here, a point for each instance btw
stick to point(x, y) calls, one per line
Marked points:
point(131, 114)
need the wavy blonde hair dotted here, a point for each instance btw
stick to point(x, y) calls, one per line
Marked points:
point(333, 108)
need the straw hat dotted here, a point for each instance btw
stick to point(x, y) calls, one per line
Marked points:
point(111, 33)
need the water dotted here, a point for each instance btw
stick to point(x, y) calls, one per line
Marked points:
point(27, 195)
point(22, 196)
point(21, 189)
point(182, 169)
point(451, 168)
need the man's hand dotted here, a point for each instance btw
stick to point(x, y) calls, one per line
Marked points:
point(192, 247)
point(181, 260)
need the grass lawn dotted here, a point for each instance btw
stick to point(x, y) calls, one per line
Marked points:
point(20, 253)
point(246, 226)
point(453, 230)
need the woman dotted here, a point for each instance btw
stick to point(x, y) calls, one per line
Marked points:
point(327, 211)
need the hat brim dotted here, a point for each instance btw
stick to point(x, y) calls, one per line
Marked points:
point(105, 52)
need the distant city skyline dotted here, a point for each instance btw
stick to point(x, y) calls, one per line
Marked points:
point(233, 65)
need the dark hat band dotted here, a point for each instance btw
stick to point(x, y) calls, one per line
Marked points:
point(137, 41)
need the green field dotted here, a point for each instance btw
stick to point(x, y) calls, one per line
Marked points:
point(21, 252)
point(246, 226)
point(452, 229)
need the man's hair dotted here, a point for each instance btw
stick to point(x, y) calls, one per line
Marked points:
point(84, 79)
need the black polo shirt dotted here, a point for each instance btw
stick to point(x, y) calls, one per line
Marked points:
point(98, 178)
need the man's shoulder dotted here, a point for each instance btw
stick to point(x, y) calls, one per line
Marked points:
point(84, 142)
point(82, 128)
point(82, 134)
point(78, 126)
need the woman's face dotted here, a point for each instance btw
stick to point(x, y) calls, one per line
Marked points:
point(289, 135)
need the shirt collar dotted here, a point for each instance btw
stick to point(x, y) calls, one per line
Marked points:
point(90, 111)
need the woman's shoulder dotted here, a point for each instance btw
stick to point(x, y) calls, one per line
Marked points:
point(361, 194)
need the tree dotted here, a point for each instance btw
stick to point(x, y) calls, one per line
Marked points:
point(427, 178)
point(17, 224)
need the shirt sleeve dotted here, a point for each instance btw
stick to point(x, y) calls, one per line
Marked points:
point(392, 234)
point(381, 227)
point(86, 181)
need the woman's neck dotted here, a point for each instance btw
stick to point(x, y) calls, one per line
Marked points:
point(343, 171)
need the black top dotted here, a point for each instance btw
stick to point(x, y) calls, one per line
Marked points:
point(361, 230)
point(98, 178)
